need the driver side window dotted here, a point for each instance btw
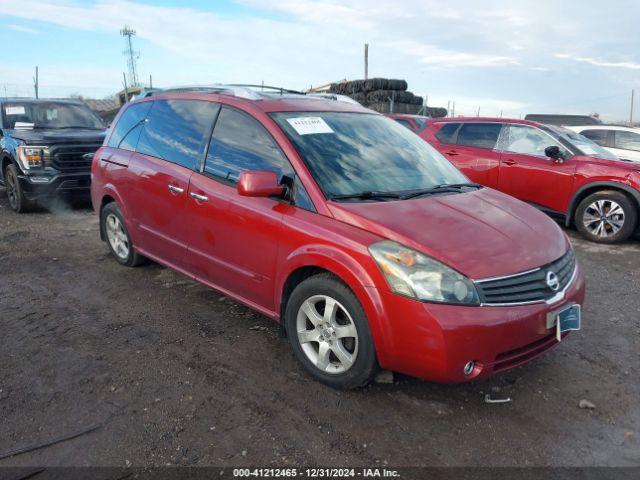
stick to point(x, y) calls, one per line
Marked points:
point(529, 141)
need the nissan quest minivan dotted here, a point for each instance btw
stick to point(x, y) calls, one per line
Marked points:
point(365, 243)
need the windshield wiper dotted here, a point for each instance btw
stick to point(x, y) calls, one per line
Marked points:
point(444, 188)
point(79, 127)
point(368, 195)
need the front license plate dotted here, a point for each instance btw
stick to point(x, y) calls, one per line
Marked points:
point(564, 320)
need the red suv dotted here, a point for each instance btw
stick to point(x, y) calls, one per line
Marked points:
point(367, 246)
point(552, 168)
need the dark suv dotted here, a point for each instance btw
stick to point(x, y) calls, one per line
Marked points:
point(46, 149)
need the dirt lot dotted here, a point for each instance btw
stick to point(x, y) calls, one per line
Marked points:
point(176, 374)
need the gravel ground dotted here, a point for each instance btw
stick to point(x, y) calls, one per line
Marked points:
point(174, 373)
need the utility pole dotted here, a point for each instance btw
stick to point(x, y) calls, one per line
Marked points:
point(449, 109)
point(392, 100)
point(126, 92)
point(453, 114)
point(366, 61)
point(631, 111)
point(35, 82)
point(131, 55)
point(150, 81)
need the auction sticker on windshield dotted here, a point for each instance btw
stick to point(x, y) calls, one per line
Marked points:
point(19, 110)
point(309, 125)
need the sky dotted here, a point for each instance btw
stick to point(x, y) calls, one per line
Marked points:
point(508, 57)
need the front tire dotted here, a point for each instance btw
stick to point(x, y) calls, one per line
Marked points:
point(17, 200)
point(329, 333)
point(608, 216)
point(118, 238)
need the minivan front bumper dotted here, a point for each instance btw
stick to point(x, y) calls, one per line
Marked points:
point(435, 341)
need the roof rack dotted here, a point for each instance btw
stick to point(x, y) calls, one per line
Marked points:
point(333, 96)
point(250, 92)
point(265, 87)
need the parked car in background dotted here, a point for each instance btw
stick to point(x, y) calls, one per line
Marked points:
point(552, 168)
point(624, 142)
point(562, 120)
point(361, 239)
point(46, 149)
point(415, 123)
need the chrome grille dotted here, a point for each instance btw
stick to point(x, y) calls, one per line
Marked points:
point(70, 158)
point(527, 287)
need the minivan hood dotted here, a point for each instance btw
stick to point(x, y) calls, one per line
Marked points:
point(47, 137)
point(482, 233)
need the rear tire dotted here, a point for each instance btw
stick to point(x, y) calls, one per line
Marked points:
point(608, 216)
point(17, 200)
point(117, 236)
point(329, 333)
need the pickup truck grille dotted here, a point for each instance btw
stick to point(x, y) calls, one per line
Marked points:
point(528, 287)
point(70, 158)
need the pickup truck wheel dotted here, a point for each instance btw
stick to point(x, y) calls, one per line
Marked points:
point(329, 333)
point(17, 200)
point(117, 236)
point(606, 217)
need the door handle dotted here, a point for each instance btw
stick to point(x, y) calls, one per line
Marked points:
point(452, 153)
point(197, 196)
point(509, 162)
point(174, 189)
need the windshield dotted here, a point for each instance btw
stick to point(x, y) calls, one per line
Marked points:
point(49, 115)
point(586, 146)
point(349, 153)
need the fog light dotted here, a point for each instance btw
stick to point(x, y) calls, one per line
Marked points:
point(40, 179)
point(468, 368)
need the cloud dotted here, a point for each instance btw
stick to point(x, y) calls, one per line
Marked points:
point(490, 52)
point(599, 63)
point(435, 56)
point(22, 28)
point(468, 106)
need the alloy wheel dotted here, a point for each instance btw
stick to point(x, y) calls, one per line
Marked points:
point(117, 236)
point(603, 218)
point(327, 334)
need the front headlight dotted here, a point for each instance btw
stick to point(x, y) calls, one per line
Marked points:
point(415, 275)
point(32, 157)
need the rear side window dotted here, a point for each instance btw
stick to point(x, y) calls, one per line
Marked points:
point(404, 123)
point(480, 135)
point(627, 140)
point(177, 130)
point(126, 132)
point(447, 132)
point(240, 143)
point(601, 137)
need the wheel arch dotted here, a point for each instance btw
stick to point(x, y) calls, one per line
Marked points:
point(109, 195)
point(5, 161)
point(106, 199)
point(594, 187)
point(315, 259)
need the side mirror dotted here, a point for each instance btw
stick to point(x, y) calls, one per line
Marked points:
point(554, 152)
point(259, 183)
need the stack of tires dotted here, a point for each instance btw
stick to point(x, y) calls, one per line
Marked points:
point(378, 94)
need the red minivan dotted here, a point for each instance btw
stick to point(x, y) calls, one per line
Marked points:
point(552, 168)
point(369, 248)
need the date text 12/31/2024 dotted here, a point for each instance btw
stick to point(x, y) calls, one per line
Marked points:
point(315, 473)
